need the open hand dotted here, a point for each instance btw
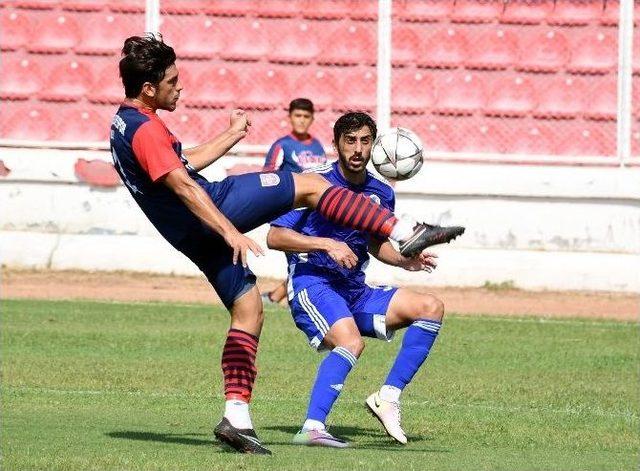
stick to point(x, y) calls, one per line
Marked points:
point(240, 244)
point(341, 253)
point(424, 261)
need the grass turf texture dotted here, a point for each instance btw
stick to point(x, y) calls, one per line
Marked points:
point(94, 385)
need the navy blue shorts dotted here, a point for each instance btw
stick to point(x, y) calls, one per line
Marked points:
point(248, 201)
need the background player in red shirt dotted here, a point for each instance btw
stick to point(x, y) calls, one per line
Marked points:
point(206, 220)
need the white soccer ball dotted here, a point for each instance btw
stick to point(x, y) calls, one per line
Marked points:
point(397, 154)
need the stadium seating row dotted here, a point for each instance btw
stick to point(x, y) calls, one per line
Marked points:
point(440, 133)
point(197, 37)
point(568, 12)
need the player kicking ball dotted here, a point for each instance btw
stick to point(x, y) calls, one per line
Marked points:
point(206, 220)
point(330, 301)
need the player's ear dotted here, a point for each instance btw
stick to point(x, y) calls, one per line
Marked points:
point(149, 89)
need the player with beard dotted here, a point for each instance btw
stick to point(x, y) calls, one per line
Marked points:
point(334, 307)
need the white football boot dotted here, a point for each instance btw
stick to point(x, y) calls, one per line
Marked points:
point(388, 413)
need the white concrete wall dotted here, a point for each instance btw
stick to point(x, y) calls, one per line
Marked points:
point(539, 227)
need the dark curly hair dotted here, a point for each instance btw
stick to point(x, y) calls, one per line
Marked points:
point(144, 59)
point(353, 121)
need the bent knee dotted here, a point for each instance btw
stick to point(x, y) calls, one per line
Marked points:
point(432, 307)
point(354, 345)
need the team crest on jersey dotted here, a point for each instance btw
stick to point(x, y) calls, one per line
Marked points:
point(269, 179)
point(375, 198)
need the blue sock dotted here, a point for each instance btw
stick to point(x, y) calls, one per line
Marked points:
point(329, 381)
point(417, 341)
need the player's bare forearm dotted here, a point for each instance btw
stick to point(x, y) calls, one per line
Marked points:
point(198, 201)
point(288, 240)
point(202, 156)
point(385, 252)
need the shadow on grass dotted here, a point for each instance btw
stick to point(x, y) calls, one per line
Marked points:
point(179, 438)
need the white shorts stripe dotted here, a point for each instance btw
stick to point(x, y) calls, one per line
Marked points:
point(313, 313)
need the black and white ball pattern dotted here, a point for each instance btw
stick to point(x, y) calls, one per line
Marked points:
point(397, 154)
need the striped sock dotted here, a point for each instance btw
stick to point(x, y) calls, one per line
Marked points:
point(239, 364)
point(416, 344)
point(329, 381)
point(356, 211)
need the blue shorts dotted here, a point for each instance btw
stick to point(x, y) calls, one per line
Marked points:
point(316, 308)
point(248, 201)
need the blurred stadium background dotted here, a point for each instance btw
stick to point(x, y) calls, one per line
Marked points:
point(525, 107)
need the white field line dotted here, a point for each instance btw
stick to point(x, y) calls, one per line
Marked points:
point(579, 411)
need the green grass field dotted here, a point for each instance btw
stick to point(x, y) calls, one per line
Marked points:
point(94, 385)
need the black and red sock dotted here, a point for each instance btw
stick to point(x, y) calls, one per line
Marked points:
point(356, 210)
point(239, 364)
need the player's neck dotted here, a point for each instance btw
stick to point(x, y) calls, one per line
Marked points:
point(138, 103)
point(301, 137)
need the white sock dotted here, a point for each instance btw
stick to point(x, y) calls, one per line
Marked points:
point(237, 412)
point(390, 393)
point(310, 424)
point(402, 230)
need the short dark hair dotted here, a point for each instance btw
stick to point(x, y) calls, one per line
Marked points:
point(303, 104)
point(144, 59)
point(353, 121)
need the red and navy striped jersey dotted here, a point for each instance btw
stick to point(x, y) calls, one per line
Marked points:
point(144, 151)
point(292, 155)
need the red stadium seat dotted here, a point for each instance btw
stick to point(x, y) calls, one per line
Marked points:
point(183, 7)
point(248, 41)
point(480, 137)
point(531, 139)
point(526, 12)
point(107, 86)
point(596, 139)
point(348, 44)
point(214, 88)
point(321, 86)
point(561, 98)
point(635, 61)
point(511, 96)
point(230, 7)
point(82, 5)
point(280, 8)
point(460, 94)
point(424, 10)
point(21, 77)
point(35, 4)
point(193, 37)
point(322, 128)
point(265, 89)
point(635, 100)
point(327, 10)
point(364, 10)
point(297, 44)
point(611, 13)
point(189, 126)
point(411, 92)
point(54, 34)
point(405, 45)
point(16, 30)
point(545, 52)
point(603, 99)
point(446, 48)
point(495, 49)
point(476, 11)
point(635, 141)
point(266, 126)
point(104, 33)
point(135, 6)
point(360, 93)
point(594, 53)
point(68, 81)
point(26, 122)
point(84, 124)
point(96, 173)
point(436, 132)
point(576, 12)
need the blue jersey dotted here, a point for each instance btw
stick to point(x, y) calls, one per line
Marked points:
point(306, 269)
point(143, 152)
point(292, 155)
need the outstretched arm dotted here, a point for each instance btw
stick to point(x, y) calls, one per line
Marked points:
point(205, 154)
point(288, 240)
point(200, 204)
point(386, 253)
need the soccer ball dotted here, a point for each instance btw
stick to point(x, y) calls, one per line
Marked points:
point(397, 154)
